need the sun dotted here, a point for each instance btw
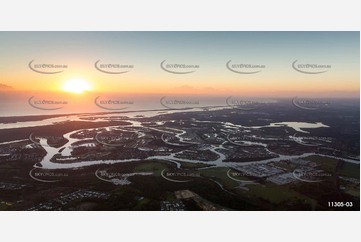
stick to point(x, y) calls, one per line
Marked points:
point(76, 86)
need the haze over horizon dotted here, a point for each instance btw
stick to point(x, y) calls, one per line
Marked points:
point(145, 51)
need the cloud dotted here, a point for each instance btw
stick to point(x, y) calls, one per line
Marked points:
point(5, 87)
point(191, 89)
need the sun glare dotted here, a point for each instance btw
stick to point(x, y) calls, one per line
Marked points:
point(76, 86)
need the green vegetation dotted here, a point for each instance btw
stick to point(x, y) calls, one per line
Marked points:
point(278, 194)
point(152, 166)
point(169, 196)
point(3, 206)
point(220, 174)
point(188, 165)
point(142, 203)
point(329, 164)
point(350, 170)
point(326, 163)
point(353, 192)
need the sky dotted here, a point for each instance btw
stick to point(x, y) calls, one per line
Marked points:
point(210, 50)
